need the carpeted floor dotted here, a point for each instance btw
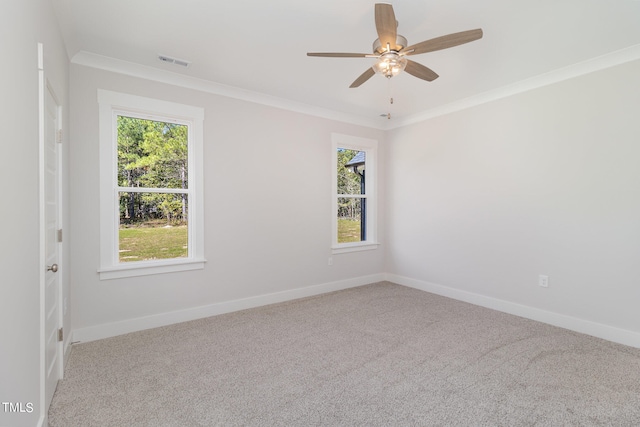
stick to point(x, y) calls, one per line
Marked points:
point(376, 355)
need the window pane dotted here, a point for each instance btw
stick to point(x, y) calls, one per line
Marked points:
point(351, 166)
point(153, 226)
point(151, 153)
point(351, 211)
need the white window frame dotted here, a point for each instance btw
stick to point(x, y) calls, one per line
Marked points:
point(113, 104)
point(370, 147)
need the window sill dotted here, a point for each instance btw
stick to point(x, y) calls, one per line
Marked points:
point(144, 268)
point(354, 247)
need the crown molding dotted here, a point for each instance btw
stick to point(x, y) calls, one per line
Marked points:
point(132, 69)
point(612, 59)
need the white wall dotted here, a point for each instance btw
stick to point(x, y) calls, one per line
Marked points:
point(482, 201)
point(267, 212)
point(22, 25)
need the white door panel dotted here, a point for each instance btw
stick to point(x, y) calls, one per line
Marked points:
point(51, 294)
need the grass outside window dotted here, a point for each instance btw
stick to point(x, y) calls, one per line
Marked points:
point(152, 242)
point(348, 230)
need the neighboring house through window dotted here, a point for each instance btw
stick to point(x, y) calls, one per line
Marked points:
point(151, 216)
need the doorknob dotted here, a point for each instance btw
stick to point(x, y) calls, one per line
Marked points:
point(53, 268)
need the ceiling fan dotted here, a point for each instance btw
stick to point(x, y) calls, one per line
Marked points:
point(391, 49)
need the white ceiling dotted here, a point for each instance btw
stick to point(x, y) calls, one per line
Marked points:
point(261, 46)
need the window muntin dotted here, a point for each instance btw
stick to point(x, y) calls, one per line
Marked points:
point(151, 215)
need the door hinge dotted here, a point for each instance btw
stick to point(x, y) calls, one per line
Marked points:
point(59, 136)
point(60, 334)
point(60, 235)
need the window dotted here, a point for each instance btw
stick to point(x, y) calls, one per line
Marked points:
point(151, 215)
point(354, 193)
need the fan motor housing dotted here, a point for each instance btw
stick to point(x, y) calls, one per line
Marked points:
point(401, 43)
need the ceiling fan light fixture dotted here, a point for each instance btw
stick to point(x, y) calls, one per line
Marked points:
point(390, 64)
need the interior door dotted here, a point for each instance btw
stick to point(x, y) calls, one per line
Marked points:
point(52, 292)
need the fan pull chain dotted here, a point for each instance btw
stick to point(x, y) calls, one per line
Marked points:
point(390, 98)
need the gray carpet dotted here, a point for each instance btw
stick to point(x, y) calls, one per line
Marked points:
point(376, 355)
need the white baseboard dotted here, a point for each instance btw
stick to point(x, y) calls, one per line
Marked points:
point(588, 327)
point(107, 330)
point(610, 333)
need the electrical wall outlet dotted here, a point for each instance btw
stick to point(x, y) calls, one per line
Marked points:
point(543, 281)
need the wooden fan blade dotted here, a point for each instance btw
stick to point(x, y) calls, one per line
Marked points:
point(339, 54)
point(363, 77)
point(420, 71)
point(386, 25)
point(443, 42)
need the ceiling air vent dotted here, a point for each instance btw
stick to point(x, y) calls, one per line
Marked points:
point(170, 60)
